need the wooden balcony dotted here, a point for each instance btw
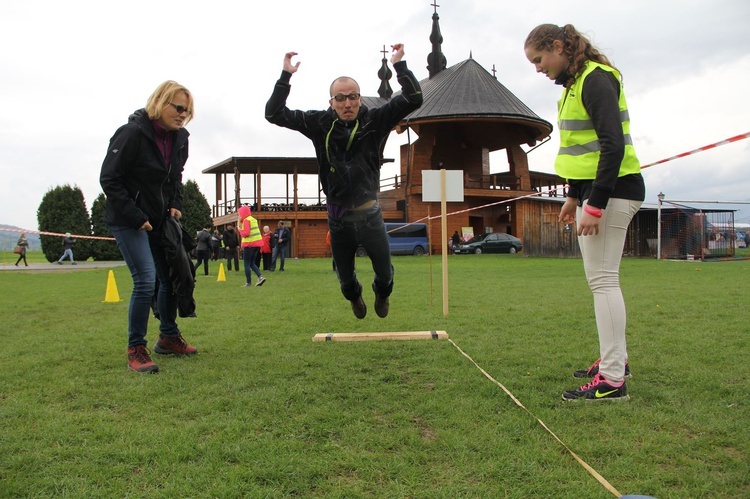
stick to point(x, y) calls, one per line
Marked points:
point(294, 207)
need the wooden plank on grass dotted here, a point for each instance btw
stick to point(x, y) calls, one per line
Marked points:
point(403, 335)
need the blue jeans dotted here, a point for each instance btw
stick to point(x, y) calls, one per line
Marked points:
point(67, 253)
point(364, 228)
point(279, 251)
point(145, 258)
point(249, 253)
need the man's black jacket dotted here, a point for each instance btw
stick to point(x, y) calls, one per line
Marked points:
point(348, 153)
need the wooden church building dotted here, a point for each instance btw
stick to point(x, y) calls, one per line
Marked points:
point(466, 114)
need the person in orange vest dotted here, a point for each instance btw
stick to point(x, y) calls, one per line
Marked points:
point(251, 243)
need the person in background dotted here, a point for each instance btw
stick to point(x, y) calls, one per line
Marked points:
point(455, 240)
point(203, 250)
point(606, 189)
point(231, 242)
point(68, 245)
point(251, 243)
point(215, 245)
point(348, 137)
point(22, 243)
point(281, 241)
point(142, 180)
point(265, 250)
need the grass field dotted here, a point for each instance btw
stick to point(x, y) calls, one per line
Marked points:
point(262, 411)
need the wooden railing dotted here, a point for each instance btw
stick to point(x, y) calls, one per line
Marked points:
point(503, 181)
point(310, 204)
point(495, 181)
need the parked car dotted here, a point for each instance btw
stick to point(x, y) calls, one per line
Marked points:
point(404, 239)
point(495, 242)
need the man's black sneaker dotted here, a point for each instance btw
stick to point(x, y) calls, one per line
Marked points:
point(359, 308)
point(593, 370)
point(598, 389)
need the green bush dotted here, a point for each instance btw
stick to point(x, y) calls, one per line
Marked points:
point(196, 212)
point(62, 210)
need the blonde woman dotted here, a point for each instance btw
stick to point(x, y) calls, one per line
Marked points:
point(142, 179)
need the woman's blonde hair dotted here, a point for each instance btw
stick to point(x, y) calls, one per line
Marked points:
point(576, 47)
point(162, 97)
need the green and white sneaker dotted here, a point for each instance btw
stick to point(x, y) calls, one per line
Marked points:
point(598, 389)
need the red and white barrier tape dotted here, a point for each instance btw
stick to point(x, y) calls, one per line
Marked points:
point(42, 233)
point(700, 149)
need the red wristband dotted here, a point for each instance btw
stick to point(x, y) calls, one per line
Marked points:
point(595, 212)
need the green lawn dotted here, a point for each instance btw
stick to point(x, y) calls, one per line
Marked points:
point(262, 411)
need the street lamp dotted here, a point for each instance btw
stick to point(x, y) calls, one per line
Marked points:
point(658, 228)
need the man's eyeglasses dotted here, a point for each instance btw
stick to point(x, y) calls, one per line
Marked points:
point(177, 108)
point(342, 97)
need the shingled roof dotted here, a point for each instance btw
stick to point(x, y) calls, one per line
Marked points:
point(467, 90)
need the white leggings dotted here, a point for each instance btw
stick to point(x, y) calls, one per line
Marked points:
point(601, 261)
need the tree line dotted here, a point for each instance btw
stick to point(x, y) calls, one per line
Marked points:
point(63, 209)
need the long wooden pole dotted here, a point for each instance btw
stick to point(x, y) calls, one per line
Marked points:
point(444, 236)
point(429, 242)
point(405, 335)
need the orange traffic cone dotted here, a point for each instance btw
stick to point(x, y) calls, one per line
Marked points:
point(111, 295)
point(222, 276)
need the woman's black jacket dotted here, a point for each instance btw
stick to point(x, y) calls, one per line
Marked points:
point(139, 185)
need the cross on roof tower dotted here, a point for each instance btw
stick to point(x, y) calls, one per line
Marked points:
point(436, 61)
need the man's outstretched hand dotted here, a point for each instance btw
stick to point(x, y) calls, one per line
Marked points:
point(398, 52)
point(288, 66)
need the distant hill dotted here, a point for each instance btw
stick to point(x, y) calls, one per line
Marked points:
point(8, 239)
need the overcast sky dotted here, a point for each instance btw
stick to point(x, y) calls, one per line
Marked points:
point(71, 73)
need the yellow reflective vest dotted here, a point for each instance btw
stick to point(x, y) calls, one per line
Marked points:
point(254, 235)
point(578, 157)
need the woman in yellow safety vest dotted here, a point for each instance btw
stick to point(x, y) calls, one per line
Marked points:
point(605, 187)
point(251, 243)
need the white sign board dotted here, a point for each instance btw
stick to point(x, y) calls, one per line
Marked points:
point(454, 186)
